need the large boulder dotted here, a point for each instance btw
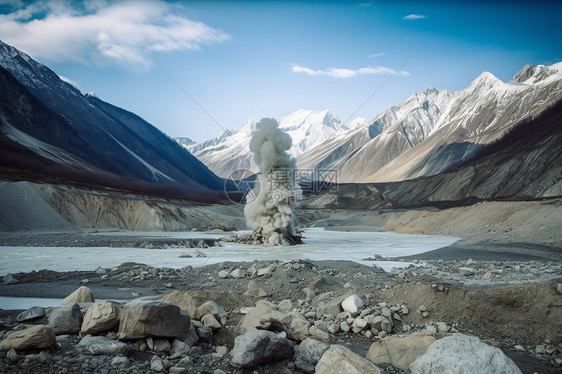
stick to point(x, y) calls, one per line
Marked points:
point(331, 307)
point(99, 345)
point(32, 313)
point(39, 337)
point(210, 307)
point(352, 304)
point(66, 319)
point(460, 353)
point(308, 353)
point(100, 317)
point(339, 359)
point(260, 317)
point(142, 318)
point(191, 300)
point(255, 347)
point(398, 351)
point(81, 295)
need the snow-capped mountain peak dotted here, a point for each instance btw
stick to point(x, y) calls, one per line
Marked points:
point(307, 128)
point(485, 81)
point(91, 94)
point(531, 74)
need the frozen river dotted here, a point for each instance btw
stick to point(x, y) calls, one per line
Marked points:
point(319, 244)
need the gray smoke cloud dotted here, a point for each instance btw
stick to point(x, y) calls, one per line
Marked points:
point(270, 214)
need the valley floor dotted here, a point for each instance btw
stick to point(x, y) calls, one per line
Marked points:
point(501, 282)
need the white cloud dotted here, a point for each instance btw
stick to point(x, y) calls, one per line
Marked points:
point(348, 73)
point(125, 33)
point(380, 54)
point(414, 16)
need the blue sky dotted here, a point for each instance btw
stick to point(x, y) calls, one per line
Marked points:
point(242, 60)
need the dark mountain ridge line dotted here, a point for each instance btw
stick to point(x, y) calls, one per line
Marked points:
point(87, 136)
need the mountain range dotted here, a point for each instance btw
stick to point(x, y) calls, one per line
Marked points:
point(49, 129)
point(230, 152)
point(430, 132)
point(483, 141)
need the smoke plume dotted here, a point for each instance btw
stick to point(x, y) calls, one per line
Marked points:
point(270, 214)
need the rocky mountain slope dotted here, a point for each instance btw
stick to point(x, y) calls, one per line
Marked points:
point(48, 129)
point(435, 130)
point(524, 164)
point(307, 128)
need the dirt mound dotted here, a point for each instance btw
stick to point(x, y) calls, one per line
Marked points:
point(527, 313)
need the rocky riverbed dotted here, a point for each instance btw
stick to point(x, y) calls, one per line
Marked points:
point(310, 316)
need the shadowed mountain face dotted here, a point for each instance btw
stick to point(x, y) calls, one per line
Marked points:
point(48, 128)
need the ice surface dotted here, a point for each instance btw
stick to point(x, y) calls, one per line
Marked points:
point(319, 244)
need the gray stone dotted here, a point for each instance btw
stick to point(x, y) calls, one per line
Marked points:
point(119, 361)
point(142, 318)
point(332, 307)
point(12, 355)
point(238, 273)
point(379, 322)
point(210, 307)
point(66, 319)
point(156, 364)
point(192, 338)
point(223, 274)
point(308, 353)
point(99, 345)
point(205, 334)
point(339, 359)
point(9, 279)
point(32, 313)
point(559, 288)
point(359, 323)
point(466, 271)
point(267, 271)
point(161, 345)
point(462, 353)
point(258, 346)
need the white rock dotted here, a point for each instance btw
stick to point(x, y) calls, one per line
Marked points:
point(359, 323)
point(238, 273)
point(352, 304)
point(223, 274)
point(442, 327)
point(460, 353)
